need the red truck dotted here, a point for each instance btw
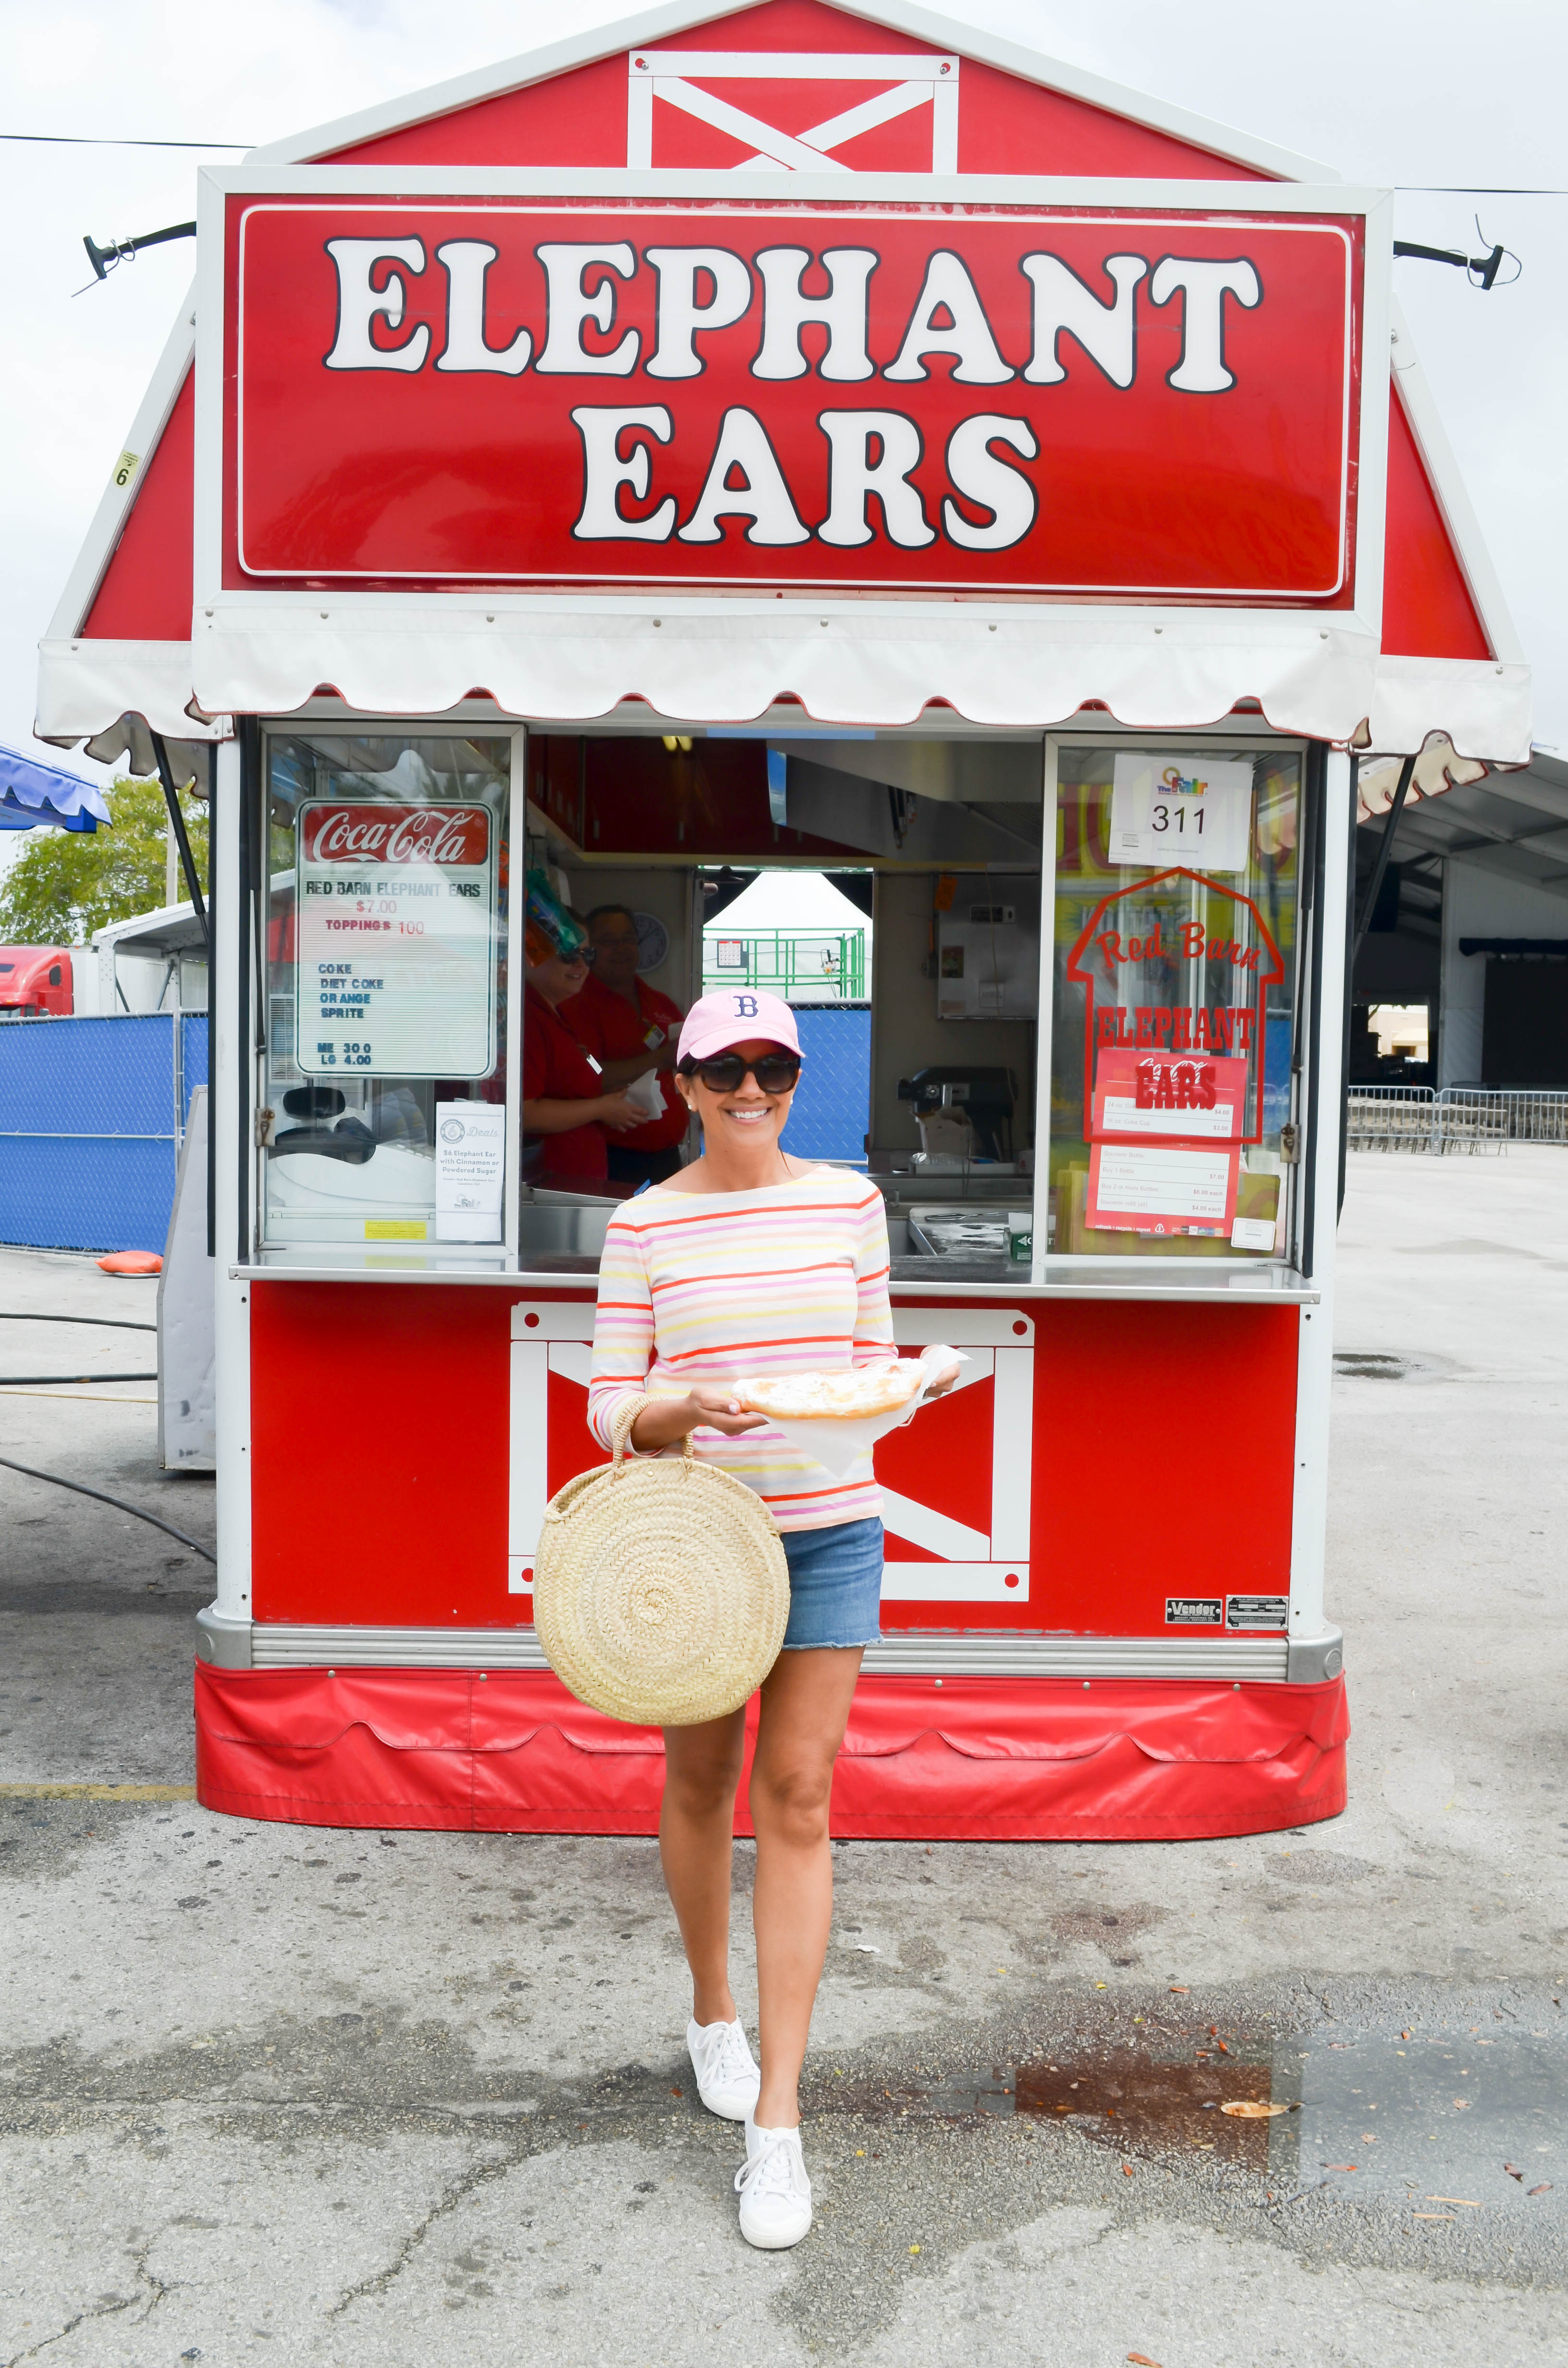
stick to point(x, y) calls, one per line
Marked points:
point(35, 980)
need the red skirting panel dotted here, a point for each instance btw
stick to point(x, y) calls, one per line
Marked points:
point(962, 1759)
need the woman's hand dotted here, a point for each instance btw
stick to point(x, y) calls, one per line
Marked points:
point(717, 1409)
point(709, 1405)
point(944, 1382)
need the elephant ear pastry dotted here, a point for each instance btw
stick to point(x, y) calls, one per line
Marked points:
point(833, 1398)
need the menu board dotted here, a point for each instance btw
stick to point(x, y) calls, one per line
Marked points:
point(1159, 1094)
point(1185, 1183)
point(395, 971)
point(1161, 1189)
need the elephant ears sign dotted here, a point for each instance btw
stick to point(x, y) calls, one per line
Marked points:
point(738, 394)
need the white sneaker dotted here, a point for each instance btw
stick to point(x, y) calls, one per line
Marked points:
point(727, 2080)
point(776, 2194)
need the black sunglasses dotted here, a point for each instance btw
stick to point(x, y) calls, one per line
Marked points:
point(776, 1073)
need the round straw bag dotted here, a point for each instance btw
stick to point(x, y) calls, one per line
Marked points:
point(661, 1590)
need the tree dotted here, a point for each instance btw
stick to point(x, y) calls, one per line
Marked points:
point(67, 884)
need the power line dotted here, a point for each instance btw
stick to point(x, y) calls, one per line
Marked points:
point(80, 140)
point(83, 140)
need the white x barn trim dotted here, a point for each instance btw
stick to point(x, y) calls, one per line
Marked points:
point(673, 75)
point(974, 1566)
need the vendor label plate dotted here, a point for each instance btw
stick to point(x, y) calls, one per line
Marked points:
point(1256, 1611)
point(1194, 1610)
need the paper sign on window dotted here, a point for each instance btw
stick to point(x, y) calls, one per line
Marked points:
point(1157, 1093)
point(1161, 1189)
point(470, 1161)
point(1193, 809)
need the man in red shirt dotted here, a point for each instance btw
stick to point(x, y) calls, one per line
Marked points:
point(566, 1106)
point(631, 1028)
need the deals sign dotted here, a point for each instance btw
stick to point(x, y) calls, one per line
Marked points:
point(394, 960)
point(440, 392)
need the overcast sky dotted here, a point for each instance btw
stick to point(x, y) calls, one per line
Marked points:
point(1389, 92)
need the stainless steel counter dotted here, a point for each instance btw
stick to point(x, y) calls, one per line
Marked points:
point(561, 1236)
point(912, 1278)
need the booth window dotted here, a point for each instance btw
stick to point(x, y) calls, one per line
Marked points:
point(1174, 1000)
point(385, 959)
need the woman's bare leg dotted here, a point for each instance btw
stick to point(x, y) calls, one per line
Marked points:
point(702, 1767)
point(805, 1708)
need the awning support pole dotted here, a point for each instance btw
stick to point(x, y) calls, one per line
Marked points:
point(1351, 947)
point(1385, 849)
point(182, 839)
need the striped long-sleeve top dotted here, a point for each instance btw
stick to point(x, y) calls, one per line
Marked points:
point(712, 1287)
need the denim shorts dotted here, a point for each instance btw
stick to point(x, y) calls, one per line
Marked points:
point(835, 1586)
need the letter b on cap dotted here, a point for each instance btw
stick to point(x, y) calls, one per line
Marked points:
point(745, 1006)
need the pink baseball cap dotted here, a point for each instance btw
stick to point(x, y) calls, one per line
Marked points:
point(735, 1015)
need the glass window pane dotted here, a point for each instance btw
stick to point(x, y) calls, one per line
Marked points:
point(386, 971)
point(1174, 1012)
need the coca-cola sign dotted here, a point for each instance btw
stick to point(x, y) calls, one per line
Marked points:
point(386, 834)
point(395, 939)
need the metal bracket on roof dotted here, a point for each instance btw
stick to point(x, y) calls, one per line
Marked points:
point(125, 250)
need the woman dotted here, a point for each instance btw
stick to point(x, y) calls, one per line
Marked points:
point(750, 1262)
point(566, 1107)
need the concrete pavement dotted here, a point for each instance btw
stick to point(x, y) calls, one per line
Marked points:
point(280, 2093)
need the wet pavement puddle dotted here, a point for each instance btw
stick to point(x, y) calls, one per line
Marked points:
point(1459, 2121)
point(1452, 2124)
point(1129, 2100)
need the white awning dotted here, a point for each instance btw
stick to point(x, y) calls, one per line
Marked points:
point(114, 692)
point(882, 663)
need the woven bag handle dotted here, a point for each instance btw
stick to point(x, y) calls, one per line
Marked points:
point(620, 1434)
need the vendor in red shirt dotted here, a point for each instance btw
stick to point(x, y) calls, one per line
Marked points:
point(566, 1108)
point(631, 1028)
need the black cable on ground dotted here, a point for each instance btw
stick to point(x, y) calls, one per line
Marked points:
point(118, 1502)
point(109, 1323)
point(71, 1381)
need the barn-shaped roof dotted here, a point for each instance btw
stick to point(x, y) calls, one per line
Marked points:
point(785, 85)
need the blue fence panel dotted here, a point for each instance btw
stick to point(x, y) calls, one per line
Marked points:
point(193, 1059)
point(832, 1112)
point(87, 1132)
point(87, 1195)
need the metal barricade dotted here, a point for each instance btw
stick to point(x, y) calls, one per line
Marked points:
point(1473, 1119)
point(1483, 1116)
point(1392, 1118)
point(799, 966)
point(1453, 1119)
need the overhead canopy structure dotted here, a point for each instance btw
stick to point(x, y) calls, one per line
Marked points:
point(1418, 644)
point(32, 795)
point(1513, 826)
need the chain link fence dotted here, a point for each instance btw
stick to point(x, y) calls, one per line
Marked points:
point(832, 1110)
point(92, 1115)
point(1453, 1118)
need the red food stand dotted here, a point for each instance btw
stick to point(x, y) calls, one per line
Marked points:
point(818, 438)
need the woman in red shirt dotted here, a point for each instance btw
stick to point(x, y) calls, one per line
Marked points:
point(566, 1107)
